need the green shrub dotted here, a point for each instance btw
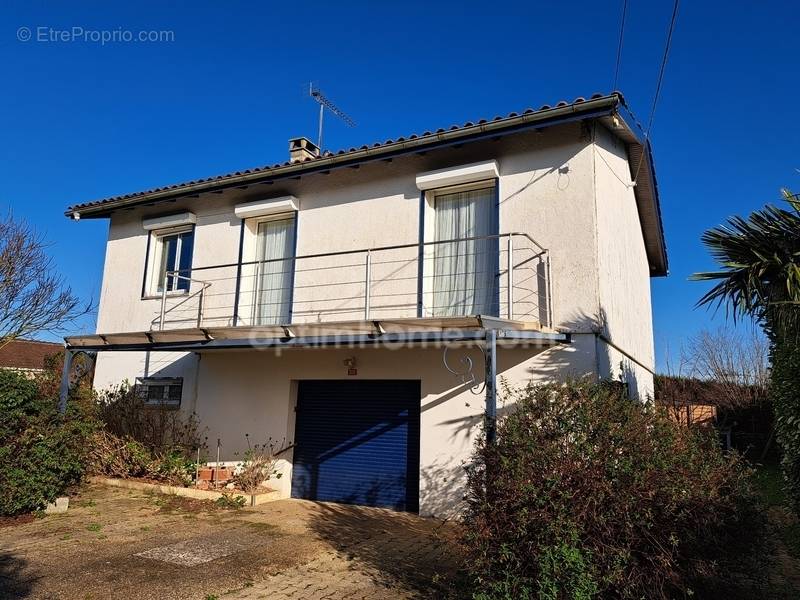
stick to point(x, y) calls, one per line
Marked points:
point(785, 393)
point(589, 493)
point(230, 501)
point(173, 467)
point(41, 452)
point(19, 396)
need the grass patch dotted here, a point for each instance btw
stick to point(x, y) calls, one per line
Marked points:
point(94, 527)
point(769, 481)
point(173, 505)
point(790, 534)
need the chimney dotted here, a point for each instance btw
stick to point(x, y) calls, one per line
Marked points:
point(301, 148)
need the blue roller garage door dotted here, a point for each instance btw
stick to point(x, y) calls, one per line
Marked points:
point(357, 442)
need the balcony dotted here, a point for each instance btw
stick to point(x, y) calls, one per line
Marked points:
point(505, 276)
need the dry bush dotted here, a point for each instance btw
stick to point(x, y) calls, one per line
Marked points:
point(141, 440)
point(119, 457)
point(259, 465)
point(160, 429)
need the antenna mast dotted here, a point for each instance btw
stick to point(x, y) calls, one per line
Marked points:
point(324, 103)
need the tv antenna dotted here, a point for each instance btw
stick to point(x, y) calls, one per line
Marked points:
point(324, 103)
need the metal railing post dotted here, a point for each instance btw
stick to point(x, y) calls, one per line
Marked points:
point(549, 297)
point(200, 306)
point(368, 278)
point(510, 298)
point(181, 298)
point(163, 301)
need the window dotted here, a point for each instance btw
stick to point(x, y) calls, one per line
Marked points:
point(160, 391)
point(171, 260)
point(465, 270)
point(273, 282)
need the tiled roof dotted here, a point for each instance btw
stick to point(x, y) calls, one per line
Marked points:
point(27, 354)
point(343, 153)
point(609, 108)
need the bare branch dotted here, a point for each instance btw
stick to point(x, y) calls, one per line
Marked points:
point(738, 362)
point(33, 296)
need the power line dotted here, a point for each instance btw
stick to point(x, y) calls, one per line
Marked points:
point(619, 44)
point(659, 82)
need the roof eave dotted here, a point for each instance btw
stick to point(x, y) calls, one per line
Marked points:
point(593, 108)
point(646, 190)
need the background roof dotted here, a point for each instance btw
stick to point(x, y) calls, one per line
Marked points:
point(27, 354)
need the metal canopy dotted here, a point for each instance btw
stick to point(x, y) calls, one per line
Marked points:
point(330, 334)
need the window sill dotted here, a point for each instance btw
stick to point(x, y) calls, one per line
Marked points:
point(169, 295)
point(154, 405)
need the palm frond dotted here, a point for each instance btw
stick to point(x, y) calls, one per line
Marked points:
point(759, 264)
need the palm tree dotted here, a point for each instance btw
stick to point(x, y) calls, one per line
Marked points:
point(760, 260)
point(759, 277)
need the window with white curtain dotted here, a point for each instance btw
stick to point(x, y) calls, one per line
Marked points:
point(465, 271)
point(273, 287)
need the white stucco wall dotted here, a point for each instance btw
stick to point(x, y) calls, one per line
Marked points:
point(375, 205)
point(623, 272)
point(558, 186)
point(254, 392)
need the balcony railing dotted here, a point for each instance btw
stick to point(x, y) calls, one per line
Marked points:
point(505, 275)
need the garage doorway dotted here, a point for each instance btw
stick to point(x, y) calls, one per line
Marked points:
point(357, 442)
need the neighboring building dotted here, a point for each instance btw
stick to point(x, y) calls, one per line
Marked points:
point(353, 302)
point(29, 356)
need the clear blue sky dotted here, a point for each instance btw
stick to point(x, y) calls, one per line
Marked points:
point(81, 120)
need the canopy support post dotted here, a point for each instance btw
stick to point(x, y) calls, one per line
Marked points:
point(490, 417)
point(63, 392)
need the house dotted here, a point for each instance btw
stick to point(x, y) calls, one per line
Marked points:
point(28, 356)
point(365, 304)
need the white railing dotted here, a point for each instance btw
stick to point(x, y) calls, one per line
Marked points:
point(505, 275)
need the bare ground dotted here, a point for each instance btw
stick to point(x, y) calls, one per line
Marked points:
point(115, 543)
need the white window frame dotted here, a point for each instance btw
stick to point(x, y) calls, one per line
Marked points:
point(248, 289)
point(429, 232)
point(458, 175)
point(154, 259)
